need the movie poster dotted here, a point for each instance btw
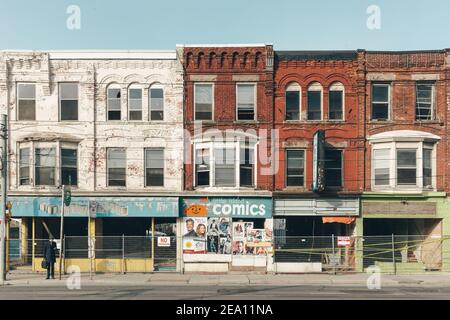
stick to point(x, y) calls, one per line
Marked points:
point(219, 236)
point(239, 247)
point(268, 230)
point(238, 231)
point(194, 235)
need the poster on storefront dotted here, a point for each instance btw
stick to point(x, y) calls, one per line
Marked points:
point(268, 230)
point(238, 231)
point(239, 247)
point(218, 237)
point(194, 235)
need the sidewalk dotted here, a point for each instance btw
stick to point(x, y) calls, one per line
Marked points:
point(234, 279)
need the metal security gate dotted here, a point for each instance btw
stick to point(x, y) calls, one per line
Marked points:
point(165, 258)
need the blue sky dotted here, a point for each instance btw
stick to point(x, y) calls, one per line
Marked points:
point(288, 24)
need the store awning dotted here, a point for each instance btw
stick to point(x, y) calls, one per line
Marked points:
point(345, 220)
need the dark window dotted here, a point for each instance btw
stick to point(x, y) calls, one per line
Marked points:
point(333, 168)
point(424, 101)
point(69, 101)
point(135, 107)
point(154, 168)
point(406, 166)
point(26, 101)
point(292, 100)
point(69, 172)
point(203, 103)
point(295, 168)
point(45, 166)
point(380, 101)
point(117, 170)
point(114, 104)
point(335, 104)
point(246, 167)
point(427, 168)
point(202, 167)
point(156, 104)
point(24, 166)
point(314, 105)
point(245, 102)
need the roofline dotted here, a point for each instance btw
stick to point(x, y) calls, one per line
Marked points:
point(103, 54)
point(406, 51)
point(229, 45)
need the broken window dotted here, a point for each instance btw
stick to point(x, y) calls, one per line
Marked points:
point(333, 168)
point(69, 171)
point(381, 166)
point(114, 103)
point(156, 103)
point(116, 162)
point(295, 168)
point(245, 101)
point(202, 167)
point(292, 102)
point(314, 107)
point(406, 166)
point(68, 95)
point(135, 104)
point(45, 167)
point(336, 101)
point(203, 101)
point(380, 101)
point(424, 101)
point(154, 167)
point(246, 167)
point(26, 101)
point(225, 166)
point(24, 166)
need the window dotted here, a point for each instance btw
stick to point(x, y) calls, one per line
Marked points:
point(45, 166)
point(424, 101)
point(245, 97)
point(69, 171)
point(114, 103)
point(225, 166)
point(154, 167)
point(333, 168)
point(336, 101)
point(116, 159)
point(380, 101)
point(314, 108)
point(406, 166)
point(246, 167)
point(203, 103)
point(135, 104)
point(292, 102)
point(68, 101)
point(26, 101)
point(202, 167)
point(381, 166)
point(295, 168)
point(427, 167)
point(24, 166)
point(156, 103)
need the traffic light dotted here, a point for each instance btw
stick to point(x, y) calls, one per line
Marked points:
point(67, 197)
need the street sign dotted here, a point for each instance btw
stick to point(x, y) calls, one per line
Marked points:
point(163, 241)
point(67, 196)
point(343, 241)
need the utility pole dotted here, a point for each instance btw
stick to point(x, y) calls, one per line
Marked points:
point(4, 168)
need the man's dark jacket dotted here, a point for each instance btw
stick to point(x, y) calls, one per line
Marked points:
point(50, 251)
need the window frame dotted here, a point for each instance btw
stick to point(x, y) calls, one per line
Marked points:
point(341, 151)
point(212, 84)
point(135, 86)
point(293, 87)
point(308, 89)
point(160, 87)
point(433, 100)
point(255, 98)
point(286, 175)
point(389, 98)
point(30, 165)
point(60, 99)
point(68, 147)
point(341, 89)
point(146, 185)
point(18, 99)
point(107, 167)
point(113, 86)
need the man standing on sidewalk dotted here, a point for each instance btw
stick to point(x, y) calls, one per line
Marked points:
point(50, 257)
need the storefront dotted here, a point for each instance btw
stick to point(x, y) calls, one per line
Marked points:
point(308, 233)
point(103, 234)
point(221, 234)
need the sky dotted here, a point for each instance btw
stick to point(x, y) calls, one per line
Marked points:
point(287, 24)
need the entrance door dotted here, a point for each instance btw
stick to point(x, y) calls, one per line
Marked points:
point(165, 245)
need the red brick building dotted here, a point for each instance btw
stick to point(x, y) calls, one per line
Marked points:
point(320, 91)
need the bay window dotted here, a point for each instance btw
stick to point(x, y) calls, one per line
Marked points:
point(45, 166)
point(24, 166)
point(69, 171)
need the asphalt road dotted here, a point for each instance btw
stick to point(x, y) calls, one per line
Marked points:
point(151, 292)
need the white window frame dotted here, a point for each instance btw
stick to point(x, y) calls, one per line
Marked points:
point(293, 87)
point(255, 98)
point(72, 146)
point(113, 86)
point(61, 99)
point(145, 167)
point(18, 99)
point(337, 86)
point(156, 86)
point(389, 86)
point(135, 86)
point(314, 86)
point(107, 168)
point(212, 97)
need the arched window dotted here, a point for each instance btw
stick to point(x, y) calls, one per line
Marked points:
point(114, 102)
point(135, 102)
point(292, 101)
point(336, 101)
point(156, 102)
point(314, 107)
